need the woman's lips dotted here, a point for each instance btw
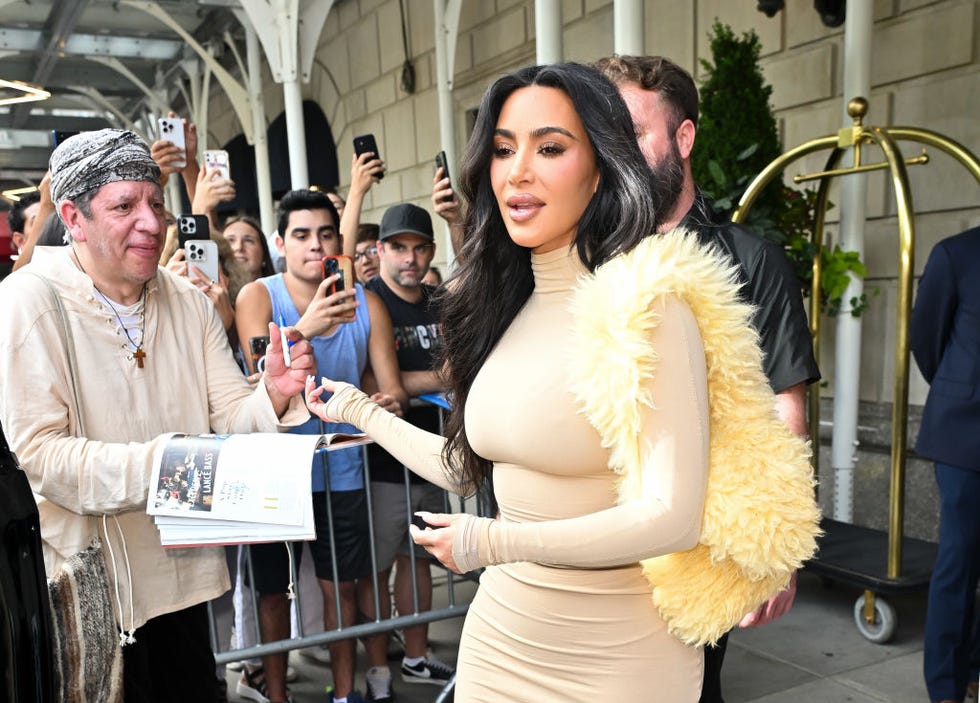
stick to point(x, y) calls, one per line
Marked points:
point(521, 208)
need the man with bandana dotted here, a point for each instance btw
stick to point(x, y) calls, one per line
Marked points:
point(151, 357)
point(663, 101)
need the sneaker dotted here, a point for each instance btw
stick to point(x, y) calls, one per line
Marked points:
point(352, 697)
point(379, 685)
point(429, 670)
point(252, 685)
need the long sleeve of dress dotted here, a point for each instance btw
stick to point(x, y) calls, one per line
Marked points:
point(417, 449)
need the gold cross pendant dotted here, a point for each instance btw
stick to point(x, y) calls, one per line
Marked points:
point(139, 355)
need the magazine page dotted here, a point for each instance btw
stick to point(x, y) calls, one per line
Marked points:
point(260, 477)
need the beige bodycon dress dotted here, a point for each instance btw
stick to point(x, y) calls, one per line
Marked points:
point(564, 613)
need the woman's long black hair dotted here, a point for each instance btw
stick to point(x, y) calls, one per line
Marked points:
point(494, 279)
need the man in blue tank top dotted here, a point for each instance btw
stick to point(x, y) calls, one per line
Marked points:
point(350, 331)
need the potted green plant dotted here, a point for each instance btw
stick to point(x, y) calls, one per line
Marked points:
point(737, 138)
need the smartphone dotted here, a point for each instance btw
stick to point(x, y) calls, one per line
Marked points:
point(341, 264)
point(419, 522)
point(366, 143)
point(58, 136)
point(442, 163)
point(257, 347)
point(217, 158)
point(203, 253)
point(172, 129)
point(192, 227)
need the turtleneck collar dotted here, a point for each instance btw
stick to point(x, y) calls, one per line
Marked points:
point(557, 271)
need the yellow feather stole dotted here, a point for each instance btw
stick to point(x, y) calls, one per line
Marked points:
point(760, 515)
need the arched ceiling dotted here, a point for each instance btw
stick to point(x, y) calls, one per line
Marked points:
point(69, 48)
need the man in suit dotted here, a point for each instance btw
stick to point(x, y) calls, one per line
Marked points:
point(945, 338)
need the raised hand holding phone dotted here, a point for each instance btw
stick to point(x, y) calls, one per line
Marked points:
point(172, 130)
point(217, 159)
point(328, 308)
point(444, 201)
point(366, 144)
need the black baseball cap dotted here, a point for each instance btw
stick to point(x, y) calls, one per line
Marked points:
point(406, 219)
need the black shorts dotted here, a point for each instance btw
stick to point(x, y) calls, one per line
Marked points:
point(270, 562)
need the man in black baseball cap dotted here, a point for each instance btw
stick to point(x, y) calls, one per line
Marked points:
point(405, 250)
point(407, 219)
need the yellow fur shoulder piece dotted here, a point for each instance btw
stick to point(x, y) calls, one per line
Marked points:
point(760, 517)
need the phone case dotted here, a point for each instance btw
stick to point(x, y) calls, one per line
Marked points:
point(203, 253)
point(192, 227)
point(172, 129)
point(441, 163)
point(342, 264)
point(218, 158)
point(257, 347)
point(364, 143)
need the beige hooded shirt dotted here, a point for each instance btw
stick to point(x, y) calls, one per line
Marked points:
point(189, 383)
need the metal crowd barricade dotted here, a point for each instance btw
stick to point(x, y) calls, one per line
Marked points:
point(363, 629)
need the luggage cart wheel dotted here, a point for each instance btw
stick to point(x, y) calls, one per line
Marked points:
point(875, 618)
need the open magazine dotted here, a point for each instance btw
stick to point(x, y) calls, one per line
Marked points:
point(239, 488)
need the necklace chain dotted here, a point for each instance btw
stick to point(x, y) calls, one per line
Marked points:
point(138, 352)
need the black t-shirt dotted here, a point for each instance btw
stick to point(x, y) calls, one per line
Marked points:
point(768, 283)
point(418, 337)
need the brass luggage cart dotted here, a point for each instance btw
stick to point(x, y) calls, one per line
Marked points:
point(880, 562)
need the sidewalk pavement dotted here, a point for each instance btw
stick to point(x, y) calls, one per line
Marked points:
point(813, 654)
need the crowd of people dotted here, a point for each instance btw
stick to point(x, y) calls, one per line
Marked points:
point(594, 429)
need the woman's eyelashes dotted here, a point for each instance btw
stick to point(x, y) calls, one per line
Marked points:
point(549, 150)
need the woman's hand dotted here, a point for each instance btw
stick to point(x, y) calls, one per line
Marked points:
point(314, 398)
point(437, 539)
point(774, 608)
point(452, 538)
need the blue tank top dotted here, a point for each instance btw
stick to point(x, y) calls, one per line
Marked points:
point(341, 356)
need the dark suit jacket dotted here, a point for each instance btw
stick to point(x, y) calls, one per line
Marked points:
point(945, 340)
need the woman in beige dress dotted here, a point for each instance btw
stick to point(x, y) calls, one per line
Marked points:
point(557, 186)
